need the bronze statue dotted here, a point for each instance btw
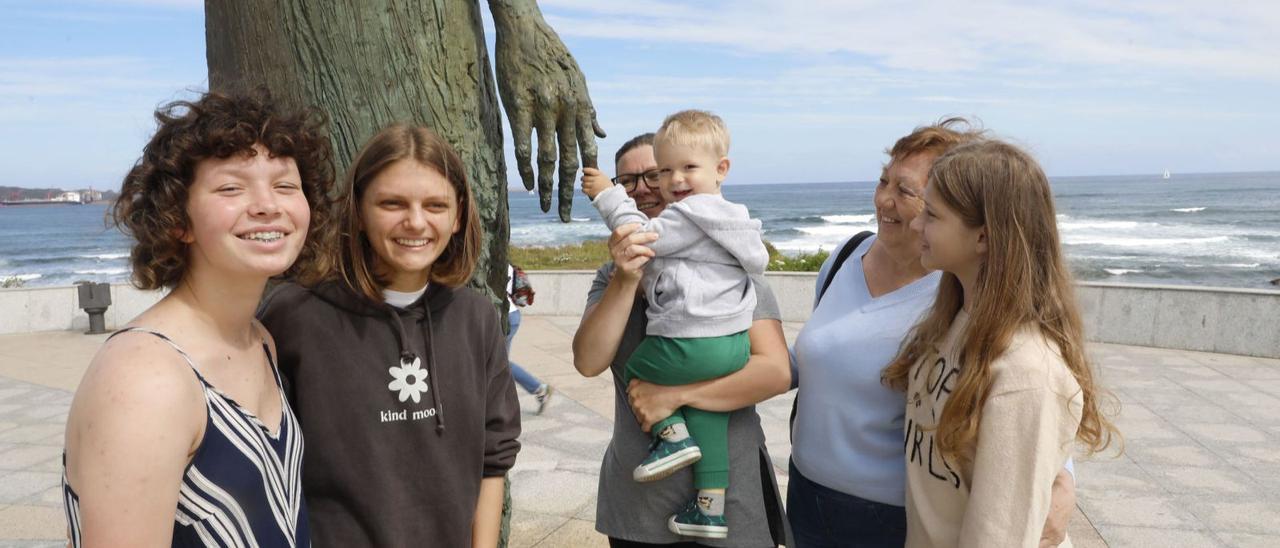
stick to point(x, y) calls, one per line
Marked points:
point(370, 63)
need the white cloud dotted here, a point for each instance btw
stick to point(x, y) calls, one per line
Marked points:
point(23, 77)
point(1146, 37)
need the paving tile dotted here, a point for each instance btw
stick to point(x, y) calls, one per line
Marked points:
point(1192, 372)
point(1225, 432)
point(1150, 430)
point(1137, 412)
point(14, 394)
point(1197, 412)
point(50, 497)
point(1246, 517)
point(16, 486)
point(1173, 454)
point(580, 434)
point(1205, 482)
point(31, 433)
point(1215, 386)
point(33, 523)
point(1244, 400)
point(530, 528)
point(1137, 511)
point(1269, 386)
point(1082, 533)
point(1250, 371)
point(1265, 453)
point(50, 396)
point(1202, 432)
point(1164, 398)
point(1114, 478)
point(46, 412)
point(29, 455)
point(588, 512)
point(575, 533)
point(1261, 417)
point(529, 491)
point(1150, 537)
point(1247, 540)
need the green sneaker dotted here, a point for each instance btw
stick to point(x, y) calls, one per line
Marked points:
point(691, 522)
point(666, 457)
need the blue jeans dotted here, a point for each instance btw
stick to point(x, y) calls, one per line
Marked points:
point(822, 517)
point(523, 378)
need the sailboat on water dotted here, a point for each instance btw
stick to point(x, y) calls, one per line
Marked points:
point(1166, 174)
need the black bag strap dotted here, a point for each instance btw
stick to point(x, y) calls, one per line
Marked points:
point(841, 257)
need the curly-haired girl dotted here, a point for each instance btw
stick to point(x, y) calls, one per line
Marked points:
point(179, 432)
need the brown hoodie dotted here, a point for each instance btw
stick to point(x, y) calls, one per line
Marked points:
point(404, 411)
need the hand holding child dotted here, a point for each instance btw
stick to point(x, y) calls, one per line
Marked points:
point(594, 182)
point(630, 250)
point(653, 402)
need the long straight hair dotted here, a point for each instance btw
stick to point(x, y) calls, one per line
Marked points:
point(393, 144)
point(1024, 281)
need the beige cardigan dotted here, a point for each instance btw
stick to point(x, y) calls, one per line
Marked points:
point(1029, 421)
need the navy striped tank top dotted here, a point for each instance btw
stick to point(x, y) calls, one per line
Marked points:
point(243, 487)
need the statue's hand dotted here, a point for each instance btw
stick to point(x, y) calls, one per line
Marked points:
point(542, 88)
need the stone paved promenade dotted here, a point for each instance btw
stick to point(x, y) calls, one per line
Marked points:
point(1202, 465)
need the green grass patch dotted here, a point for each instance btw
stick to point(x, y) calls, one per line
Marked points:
point(591, 254)
point(588, 255)
point(804, 262)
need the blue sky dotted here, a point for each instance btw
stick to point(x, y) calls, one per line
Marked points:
point(812, 91)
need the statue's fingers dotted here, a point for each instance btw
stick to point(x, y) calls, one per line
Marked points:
point(567, 134)
point(595, 124)
point(544, 119)
point(586, 139)
point(521, 116)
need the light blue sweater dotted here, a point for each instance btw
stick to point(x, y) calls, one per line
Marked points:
point(848, 432)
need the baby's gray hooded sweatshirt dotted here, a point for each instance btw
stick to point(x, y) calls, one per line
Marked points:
point(697, 284)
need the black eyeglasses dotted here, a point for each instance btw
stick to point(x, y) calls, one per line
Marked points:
point(630, 180)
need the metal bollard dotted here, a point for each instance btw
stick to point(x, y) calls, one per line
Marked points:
point(95, 298)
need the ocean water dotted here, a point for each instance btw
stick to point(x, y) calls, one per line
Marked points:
point(1197, 229)
point(1218, 229)
point(61, 244)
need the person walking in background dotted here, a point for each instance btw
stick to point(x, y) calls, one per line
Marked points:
point(519, 295)
point(998, 387)
point(180, 433)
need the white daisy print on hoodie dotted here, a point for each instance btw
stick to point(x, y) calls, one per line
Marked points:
point(410, 380)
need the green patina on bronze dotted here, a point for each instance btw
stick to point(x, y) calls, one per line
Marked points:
point(370, 64)
point(374, 63)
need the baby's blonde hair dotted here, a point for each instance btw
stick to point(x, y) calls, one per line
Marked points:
point(697, 128)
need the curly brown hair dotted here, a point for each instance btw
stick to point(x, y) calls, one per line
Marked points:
point(152, 207)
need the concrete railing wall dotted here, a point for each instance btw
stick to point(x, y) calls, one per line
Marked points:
point(1229, 321)
point(25, 310)
point(1225, 320)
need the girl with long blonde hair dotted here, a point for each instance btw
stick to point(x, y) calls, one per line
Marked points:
point(997, 383)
